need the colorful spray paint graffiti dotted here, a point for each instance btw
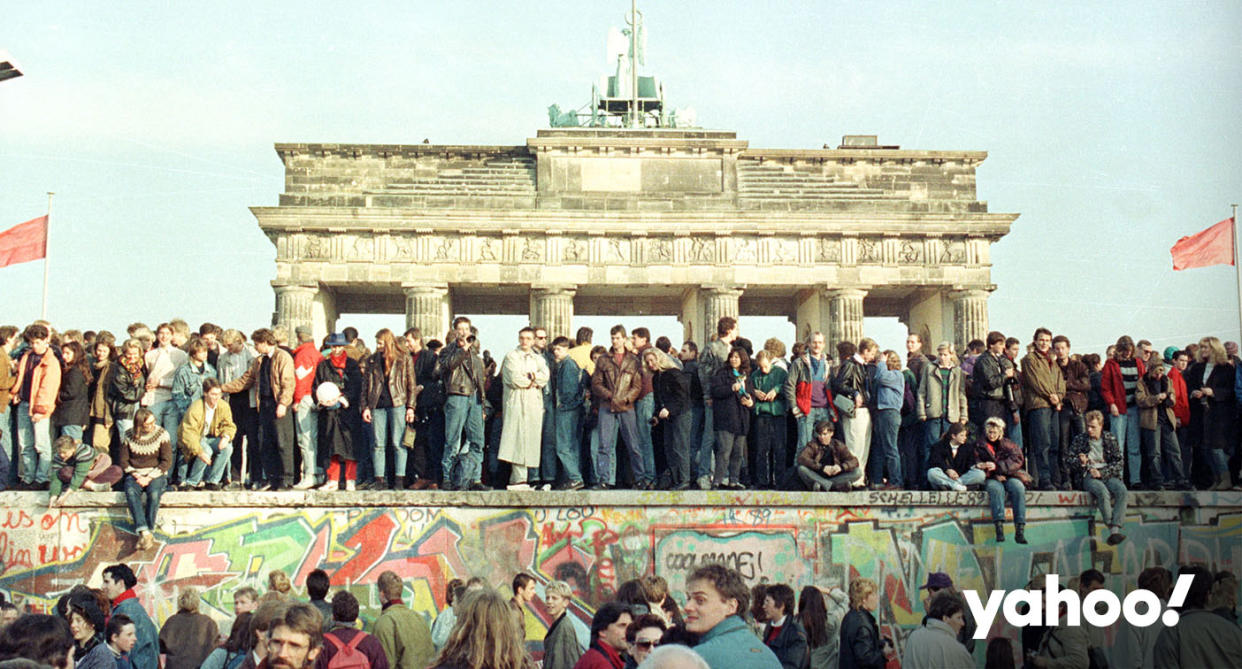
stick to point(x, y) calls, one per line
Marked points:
point(896, 540)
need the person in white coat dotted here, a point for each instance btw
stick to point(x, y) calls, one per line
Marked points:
point(524, 373)
point(934, 645)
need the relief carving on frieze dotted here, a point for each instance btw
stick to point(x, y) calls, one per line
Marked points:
point(660, 250)
point(868, 250)
point(488, 249)
point(911, 252)
point(316, 247)
point(702, 250)
point(575, 251)
point(747, 251)
point(446, 248)
point(829, 251)
point(618, 250)
point(532, 250)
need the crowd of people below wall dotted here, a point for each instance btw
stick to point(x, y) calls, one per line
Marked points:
point(720, 623)
point(171, 409)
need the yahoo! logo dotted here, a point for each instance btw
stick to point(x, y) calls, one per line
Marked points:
point(1044, 606)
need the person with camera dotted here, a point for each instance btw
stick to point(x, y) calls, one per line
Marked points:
point(861, 644)
point(461, 369)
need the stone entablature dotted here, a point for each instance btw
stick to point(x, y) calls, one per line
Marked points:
point(692, 223)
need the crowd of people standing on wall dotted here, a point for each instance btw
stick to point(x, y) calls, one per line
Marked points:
point(718, 623)
point(172, 409)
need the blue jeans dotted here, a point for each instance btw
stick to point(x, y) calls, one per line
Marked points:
point(1161, 453)
point(806, 426)
point(389, 426)
point(609, 422)
point(463, 413)
point(1013, 430)
point(941, 481)
point(306, 420)
point(677, 447)
point(643, 410)
point(1110, 498)
point(707, 443)
point(221, 450)
point(168, 416)
point(74, 431)
point(1017, 498)
point(601, 472)
point(567, 446)
point(827, 483)
point(35, 441)
point(887, 423)
point(934, 428)
point(1218, 460)
point(1045, 433)
point(144, 503)
point(1126, 429)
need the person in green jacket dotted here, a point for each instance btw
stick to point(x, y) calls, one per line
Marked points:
point(404, 634)
point(771, 447)
point(75, 461)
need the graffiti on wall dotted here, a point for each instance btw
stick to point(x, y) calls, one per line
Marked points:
point(44, 553)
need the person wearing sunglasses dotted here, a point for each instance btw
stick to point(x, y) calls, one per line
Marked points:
point(642, 636)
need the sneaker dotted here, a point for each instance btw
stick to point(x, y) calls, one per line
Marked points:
point(211, 487)
point(704, 483)
point(1116, 538)
point(330, 486)
point(350, 485)
point(146, 541)
point(97, 487)
point(305, 484)
point(518, 486)
point(600, 486)
point(478, 486)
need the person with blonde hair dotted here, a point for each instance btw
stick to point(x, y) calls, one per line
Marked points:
point(672, 391)
point(187, 637)
point(1213, 409)
point(890, 394)
point(861, 647)
point(486, 636)
point(404, 634)
point(389, 396)
point(561, 648)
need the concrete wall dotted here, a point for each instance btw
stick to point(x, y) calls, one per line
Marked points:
point(220, 541)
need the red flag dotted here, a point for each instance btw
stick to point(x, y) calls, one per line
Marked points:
point(1213, 246)
point(24, 242)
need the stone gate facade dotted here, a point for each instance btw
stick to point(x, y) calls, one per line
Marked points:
point(691, 223)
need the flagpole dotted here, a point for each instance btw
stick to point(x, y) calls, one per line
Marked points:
point(47, 236)
point(1237, 267)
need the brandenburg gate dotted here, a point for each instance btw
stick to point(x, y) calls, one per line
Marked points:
point(663, 221)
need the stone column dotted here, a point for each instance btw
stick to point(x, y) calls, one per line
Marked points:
point(294, 305)
point(718, 301)
point(970, 315)
point(552, 308)
point(428, 308)
point(843, 308)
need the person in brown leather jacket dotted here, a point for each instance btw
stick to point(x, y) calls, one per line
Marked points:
point(272, 373)
point(825, 463)
point(1077, 385)
point(617, 382)
point(461, 369)
point(389, 396)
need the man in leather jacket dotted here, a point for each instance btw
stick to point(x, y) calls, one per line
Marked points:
point(617, 382)
point(461, 370)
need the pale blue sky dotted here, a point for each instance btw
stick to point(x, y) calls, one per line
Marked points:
point(1112, 129)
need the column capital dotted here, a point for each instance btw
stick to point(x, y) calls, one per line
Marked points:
point(973, 292)
point(569, 289)
point(724, 289)
point(293, 286)
point(849, 292)
point(434, 289)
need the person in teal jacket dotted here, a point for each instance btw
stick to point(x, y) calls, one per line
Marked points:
point(771, 446)
point(716, 597)
point(118, 584)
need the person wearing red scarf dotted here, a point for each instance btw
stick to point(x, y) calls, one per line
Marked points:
point(607, 638)
point(338, 392)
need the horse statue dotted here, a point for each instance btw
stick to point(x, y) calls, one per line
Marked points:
point(560, 119)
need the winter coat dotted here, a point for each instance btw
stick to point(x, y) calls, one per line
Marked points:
point(399, 381)
point(337, 426)
point(427, 375)
point(521, 436)
point(98, 657)
point(1112, 386)
point(731, 644)
point(187, 639)
point(618, 385)
point(190, 433)
point(7, 376)
point(600, 656)
point(672, 392)
point(1066, 647)
point(101, 383)
point(1081, 445)
point(561, 649)
point(368, 646)
point(405, 637)
point(45, 382)
point(1145, 393)
point(461, 370)
point(150, 454)
point(282, 377)
point(125, 392)
point(187, 383)
point(1212, 419)
point(790, 645)
point(306, 358)
point(1077, 384)
point(942, 456)
point(1010, 461)
point(800, 375)
point(853, 379)
point(1181, 400)
point(934, 645)
point(933, 392)
point(569, 385)
point(773, 380)
point(728, 412)
point(988, 384)
point(713, 357)
point(860, 641)
point(73, 401)
point(146, 652)
point(81, 461)
point(1201, 638)
point(1041, 378)
point(816, 456)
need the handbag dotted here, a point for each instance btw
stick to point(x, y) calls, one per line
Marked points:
point(844, 405)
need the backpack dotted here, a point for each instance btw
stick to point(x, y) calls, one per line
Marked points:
point(235, 660)
point(347, 655)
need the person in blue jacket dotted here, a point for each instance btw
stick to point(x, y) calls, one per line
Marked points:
point(716, 597)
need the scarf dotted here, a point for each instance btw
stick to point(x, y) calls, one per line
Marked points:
point(128, 594)
point(338, 360)
point(134, 367)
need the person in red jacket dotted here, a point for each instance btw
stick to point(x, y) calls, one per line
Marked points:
point(306, 358)
point(1117, 383)
point(1178, 361)
point(607, 638)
